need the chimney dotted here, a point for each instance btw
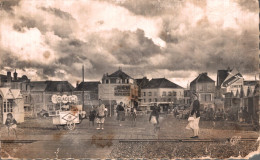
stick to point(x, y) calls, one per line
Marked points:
point(9, 78)
point(15, 75)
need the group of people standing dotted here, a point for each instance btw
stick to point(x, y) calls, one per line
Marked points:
point(99, 113)
point(193, 119)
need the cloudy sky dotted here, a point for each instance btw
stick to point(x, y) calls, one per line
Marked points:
point(176, 39)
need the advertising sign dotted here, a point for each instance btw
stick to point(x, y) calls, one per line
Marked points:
point(64, 99)
point(123, 90)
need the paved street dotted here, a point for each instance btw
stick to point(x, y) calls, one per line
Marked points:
point(86, 141)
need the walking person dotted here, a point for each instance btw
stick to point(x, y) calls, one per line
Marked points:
point(133, 113)
point(11, 124)
point(92, 116)
point(100, 119)
point(154, 117)
point(120, 113)
point(195, 113)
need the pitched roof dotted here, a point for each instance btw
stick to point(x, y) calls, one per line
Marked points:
point(119, 73)
point(16, 93)
point(58, 86)
point(87, 86)
point(221, 76)
point(161, 83)
point(203, 77)
point(3, 77)
point(38, 85)
point(142, 82)
point(231, 78)
point(8, 93)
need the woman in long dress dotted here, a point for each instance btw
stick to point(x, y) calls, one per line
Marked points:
point(195, 117)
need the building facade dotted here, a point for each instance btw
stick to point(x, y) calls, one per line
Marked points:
point(163, 92)
point(90, 92)
point(118, 87)
point(204, 87)
point(11, 101)
point(141, 83)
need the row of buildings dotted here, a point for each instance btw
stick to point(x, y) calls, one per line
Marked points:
point(231, 91)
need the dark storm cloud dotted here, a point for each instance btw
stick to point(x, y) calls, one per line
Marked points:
point(132, 48)
point(192, 42)
point(126, 47)
point(8, 5)
point(9, 59)
point(30, 22)
point(249, 5)
point(58, 12)
point(62, 26)
point(220, 50)
point(148, 7)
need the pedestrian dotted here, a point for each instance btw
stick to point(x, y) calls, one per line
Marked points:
point(120, 113)
point(195, 113)
point(100, 119)
point(154, 117)
point(92, 116)
point(133, 115)
point(11, 124)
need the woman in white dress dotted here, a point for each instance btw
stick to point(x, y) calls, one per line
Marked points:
point(195, 117)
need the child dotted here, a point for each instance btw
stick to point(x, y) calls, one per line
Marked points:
point(92, 116)
point(11, 123)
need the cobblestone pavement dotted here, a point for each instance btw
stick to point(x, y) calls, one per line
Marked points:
point(86, 141)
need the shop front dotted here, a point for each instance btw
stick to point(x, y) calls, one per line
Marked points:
point(11, 101)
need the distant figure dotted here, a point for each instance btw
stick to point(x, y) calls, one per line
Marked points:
point(92, 116)
point(154, 117)
point(133, 115)
point(195, 113)
point(100, 119)
point(11, 124)
point(120, 113)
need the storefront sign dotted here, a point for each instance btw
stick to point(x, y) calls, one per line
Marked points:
point(123, 90)
point(64, 99)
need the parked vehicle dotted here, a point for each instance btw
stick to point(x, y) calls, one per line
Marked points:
point(43, 113)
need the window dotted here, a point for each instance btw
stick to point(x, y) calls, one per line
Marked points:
point(150, 100)
point(200, 87)
point(107, 81)
point(164, 93)
point(144, 100)
point(205, 97)
point(169, 93)
point(174, 94)
point(150, 93)
point(155, 99)
point(8, 106)
point(155, 93)
point(144, 94)
point(169, 100)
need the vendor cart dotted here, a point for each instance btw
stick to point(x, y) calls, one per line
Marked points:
point(69, 113)
point(69, 118)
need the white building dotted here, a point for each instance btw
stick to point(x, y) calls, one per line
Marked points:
point(118, 87)
point(163, 92)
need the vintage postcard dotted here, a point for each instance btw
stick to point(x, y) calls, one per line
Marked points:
point(140, 79)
